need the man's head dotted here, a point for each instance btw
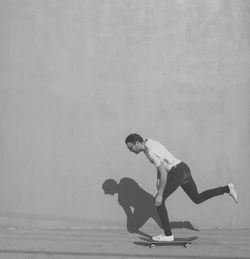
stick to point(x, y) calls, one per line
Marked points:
point(134, 143)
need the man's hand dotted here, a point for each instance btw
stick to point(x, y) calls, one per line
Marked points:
point(158, 200)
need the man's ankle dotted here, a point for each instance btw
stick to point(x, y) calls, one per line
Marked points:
point(168, 232)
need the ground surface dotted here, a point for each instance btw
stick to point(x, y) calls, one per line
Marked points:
point(117, 243)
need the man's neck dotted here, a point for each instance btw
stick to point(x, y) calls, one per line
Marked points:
point(143, 145)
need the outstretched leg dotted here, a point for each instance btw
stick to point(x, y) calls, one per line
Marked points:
point(191, 190)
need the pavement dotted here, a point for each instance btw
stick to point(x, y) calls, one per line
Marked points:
point(29, 243)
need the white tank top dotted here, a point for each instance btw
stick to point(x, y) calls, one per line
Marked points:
point(157, 153)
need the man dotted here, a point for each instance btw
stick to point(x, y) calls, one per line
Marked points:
point(172, 173)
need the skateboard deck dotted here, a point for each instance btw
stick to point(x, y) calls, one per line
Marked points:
point(186, 242)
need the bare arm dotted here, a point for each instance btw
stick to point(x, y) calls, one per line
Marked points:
point(162, 177)
point(158, 180)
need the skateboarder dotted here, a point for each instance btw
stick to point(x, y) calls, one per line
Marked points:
point(171, 173)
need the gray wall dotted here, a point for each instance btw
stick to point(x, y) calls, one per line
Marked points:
point(76, 77)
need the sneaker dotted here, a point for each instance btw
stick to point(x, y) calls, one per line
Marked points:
point(232, 192)
point(163, 238)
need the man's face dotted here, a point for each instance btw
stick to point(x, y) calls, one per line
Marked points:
point(135, 148)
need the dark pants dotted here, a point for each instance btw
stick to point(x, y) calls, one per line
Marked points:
point(180, 175)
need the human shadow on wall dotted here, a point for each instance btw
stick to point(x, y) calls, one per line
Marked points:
point(137, 204)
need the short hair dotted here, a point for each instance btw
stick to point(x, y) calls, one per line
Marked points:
point(133, 138)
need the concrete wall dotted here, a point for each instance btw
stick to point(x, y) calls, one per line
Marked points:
point(76, 77)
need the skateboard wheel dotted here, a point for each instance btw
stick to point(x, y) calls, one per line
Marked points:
point(152, 246)
point(187, 245)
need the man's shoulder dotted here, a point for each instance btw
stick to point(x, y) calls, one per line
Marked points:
point(151, 143)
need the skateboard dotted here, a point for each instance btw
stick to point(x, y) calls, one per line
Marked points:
point(186, 243)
